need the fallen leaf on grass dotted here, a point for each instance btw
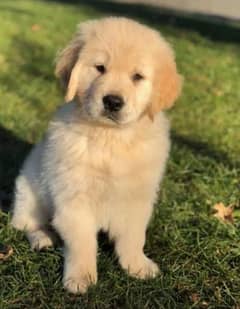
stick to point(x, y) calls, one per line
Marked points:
point(224, 213)
point(195, 297)
point(5, 252)
point(35, 27)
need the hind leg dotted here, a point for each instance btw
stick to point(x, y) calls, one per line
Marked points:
point(41, 238)
point(29, 215)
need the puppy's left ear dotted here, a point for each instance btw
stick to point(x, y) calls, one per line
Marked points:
point(167, 85)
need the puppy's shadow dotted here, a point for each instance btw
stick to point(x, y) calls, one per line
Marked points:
point(13, 150)
point(106, 245)
point(203, 149)
point(107, 255)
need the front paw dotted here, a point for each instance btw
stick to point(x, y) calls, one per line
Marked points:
point(79, 284)
point(41, 239)
point(144, 268)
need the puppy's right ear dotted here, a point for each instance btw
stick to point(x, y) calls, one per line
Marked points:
point(67, 67)
point(68, 61)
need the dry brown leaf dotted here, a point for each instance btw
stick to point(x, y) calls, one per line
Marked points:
point(5, 252)
point(195, 297)
point(35, 27)
point(224, 213)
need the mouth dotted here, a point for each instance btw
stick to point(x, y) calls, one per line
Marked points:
point(111, 117)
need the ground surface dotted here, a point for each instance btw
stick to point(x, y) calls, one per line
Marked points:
point(199, 257)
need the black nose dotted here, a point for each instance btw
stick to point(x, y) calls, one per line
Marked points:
point(112, 103)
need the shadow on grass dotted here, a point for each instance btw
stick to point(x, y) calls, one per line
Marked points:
point(36, 60)
point(205, 150)
point(32, 61)
point(32, 58)
point(11, 9)
point(212, 27)
point(13, 150)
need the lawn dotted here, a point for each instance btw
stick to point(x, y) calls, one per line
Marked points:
point(199, 256)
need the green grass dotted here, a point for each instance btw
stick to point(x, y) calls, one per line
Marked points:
point(199, 257)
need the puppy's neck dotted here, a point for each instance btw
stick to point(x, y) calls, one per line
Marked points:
point(127, 134)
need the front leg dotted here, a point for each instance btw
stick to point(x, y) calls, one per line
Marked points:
point(129, 242)
point(76, 225)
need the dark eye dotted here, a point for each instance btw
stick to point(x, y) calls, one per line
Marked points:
point(100, 68)
point(136, 77)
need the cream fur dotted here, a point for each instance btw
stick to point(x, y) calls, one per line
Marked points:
point(91, 173)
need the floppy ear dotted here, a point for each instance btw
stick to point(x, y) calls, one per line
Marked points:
point(67, 67)
point(68, 61)
point(167, 86)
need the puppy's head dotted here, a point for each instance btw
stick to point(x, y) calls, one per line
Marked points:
point(118, 70)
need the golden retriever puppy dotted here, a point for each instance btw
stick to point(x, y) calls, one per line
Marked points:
point(100, 164)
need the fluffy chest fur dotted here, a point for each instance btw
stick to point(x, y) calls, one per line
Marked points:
point(115, 161)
